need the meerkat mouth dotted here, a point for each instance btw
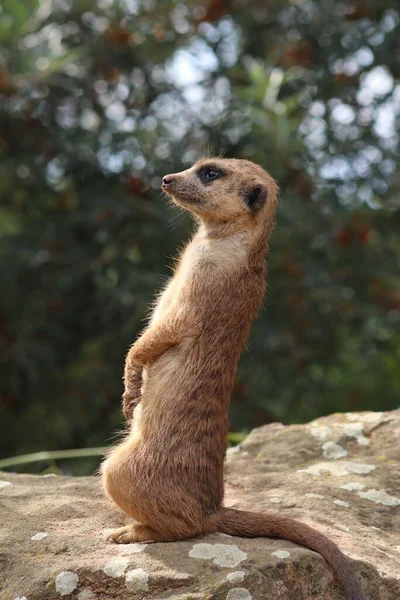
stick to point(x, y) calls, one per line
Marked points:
point(179, 196)
point(183, 200)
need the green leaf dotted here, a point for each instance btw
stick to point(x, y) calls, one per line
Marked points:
point(15, 17)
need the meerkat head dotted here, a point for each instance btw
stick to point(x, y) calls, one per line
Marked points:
point(220, 190)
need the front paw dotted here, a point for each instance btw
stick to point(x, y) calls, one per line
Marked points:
point(128, 405)
point(137, 355)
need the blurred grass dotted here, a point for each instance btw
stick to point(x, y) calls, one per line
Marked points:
point(234, 438)
point(24, 459)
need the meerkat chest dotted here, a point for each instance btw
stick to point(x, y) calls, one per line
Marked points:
point(203, 264)
point(213, 257)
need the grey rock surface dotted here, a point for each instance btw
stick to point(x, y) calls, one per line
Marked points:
point(339, 474)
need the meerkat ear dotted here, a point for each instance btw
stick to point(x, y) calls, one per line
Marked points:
point(255, 197)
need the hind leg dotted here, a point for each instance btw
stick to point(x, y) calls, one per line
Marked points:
point(143, 533)
point(171, 529)
point(134, 533)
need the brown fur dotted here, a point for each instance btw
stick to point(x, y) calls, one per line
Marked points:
point(168, 472)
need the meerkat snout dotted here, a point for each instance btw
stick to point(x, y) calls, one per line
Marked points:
point(167, 180)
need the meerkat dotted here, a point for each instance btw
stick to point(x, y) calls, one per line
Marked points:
point(167, 474)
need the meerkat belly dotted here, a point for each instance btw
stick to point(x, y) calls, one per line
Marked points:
point(163, 383)
point(179, 391)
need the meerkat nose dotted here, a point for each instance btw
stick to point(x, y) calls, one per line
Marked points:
point(167, 180)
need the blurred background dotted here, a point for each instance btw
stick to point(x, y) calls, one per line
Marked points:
point(98, 100)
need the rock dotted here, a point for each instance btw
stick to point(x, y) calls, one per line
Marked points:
point(53, 529)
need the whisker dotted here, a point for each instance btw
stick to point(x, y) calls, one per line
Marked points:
point(176, 221)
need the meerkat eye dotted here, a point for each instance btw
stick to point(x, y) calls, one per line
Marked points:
point(207, 174)
point(211, 174)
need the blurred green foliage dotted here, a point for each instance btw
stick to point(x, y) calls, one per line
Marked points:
point(98, 100)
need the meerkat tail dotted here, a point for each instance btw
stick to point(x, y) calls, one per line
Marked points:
point(248, 524)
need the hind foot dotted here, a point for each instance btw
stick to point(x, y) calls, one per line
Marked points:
point(134, 533)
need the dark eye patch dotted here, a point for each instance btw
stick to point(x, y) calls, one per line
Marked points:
point(209, 173)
